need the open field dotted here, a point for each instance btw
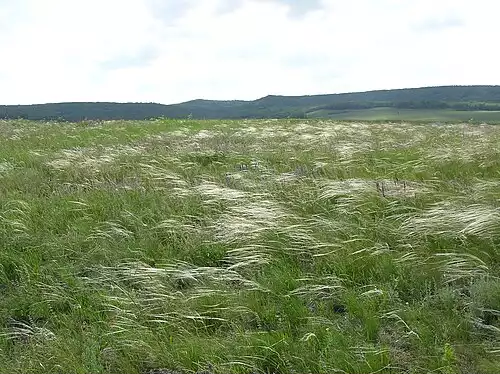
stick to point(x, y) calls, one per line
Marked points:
point(393, 114)
point(249, 247)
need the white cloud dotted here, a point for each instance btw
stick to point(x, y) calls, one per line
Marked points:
point(143, 50)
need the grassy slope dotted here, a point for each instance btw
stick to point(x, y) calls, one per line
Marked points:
point(392, 114)
point(269, 246)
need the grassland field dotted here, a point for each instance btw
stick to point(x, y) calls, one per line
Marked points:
point(256, 246)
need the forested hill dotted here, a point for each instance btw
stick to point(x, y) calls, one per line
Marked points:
point(460, 98)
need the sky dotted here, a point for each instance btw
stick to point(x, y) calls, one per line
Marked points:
point(171, 51)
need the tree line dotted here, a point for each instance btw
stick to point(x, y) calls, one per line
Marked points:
point(463, 98)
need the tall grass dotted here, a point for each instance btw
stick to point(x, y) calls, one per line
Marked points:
point(249, 246)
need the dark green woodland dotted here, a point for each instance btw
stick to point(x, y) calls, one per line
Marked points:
point(449, 99)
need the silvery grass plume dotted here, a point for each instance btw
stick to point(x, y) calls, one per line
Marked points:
point(454, 220)
point(459, 266)
point(92, 158)
point(484, 190)
point(300, 236)
point(446, 154)
point(173, 278)
point(110, 230)
point(15, 218)
point(170, 294)
point(215, 193)
point(246, 222)
point(165, 179)
point(278, 131)
point(205, 134)
point(349, 187)
point(343, 234)
point(465, 144)
point(349, 196)
point(5, 167)
point(175, 225)
point(318, 288)
point(243, 180)
point(453, 267)
point(249, 256)
point(25, 333)
point(360, 187)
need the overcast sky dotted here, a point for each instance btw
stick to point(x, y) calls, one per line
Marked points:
point(170, 51)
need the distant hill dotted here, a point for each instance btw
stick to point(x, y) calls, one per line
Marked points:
point(455, 98)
